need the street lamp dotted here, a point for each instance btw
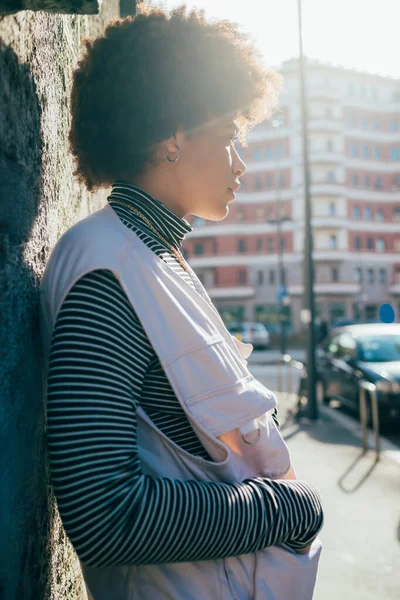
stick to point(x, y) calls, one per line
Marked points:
point(282, 296)
point(309, 300)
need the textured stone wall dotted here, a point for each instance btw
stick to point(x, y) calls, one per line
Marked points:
point(38, 201)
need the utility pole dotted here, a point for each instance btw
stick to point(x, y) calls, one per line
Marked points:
point(309, 301)
point(281, 270)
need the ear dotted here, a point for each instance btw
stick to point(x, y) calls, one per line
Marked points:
point(178, 139)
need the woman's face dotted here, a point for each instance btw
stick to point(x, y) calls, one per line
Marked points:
point(208, 170)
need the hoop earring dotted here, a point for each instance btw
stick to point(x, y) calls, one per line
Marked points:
point(173, 160)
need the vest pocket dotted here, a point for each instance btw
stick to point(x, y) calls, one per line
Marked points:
point(217, 388)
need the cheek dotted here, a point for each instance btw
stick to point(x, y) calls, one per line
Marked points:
point(217, 167)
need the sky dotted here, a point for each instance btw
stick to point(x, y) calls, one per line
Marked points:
point(359, 34)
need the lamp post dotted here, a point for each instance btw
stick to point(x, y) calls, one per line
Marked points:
point(309, 300)
point(282, 295)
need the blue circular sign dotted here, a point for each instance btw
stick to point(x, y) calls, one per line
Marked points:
point(386, 313)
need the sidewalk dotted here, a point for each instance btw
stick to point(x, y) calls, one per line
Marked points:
point(361, 497)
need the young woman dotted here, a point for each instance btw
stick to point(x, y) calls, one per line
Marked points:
point(145, 386)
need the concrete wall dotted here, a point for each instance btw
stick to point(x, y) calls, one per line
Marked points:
point(38, 201)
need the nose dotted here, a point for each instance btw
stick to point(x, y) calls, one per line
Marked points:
point(238, 166)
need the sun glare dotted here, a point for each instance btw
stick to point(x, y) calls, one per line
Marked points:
point(356, 34)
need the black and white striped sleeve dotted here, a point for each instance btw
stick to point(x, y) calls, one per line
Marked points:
point(112, 512)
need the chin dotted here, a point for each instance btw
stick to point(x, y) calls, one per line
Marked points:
point(216, 215)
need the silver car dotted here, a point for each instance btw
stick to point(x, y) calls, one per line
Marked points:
point(250, 333)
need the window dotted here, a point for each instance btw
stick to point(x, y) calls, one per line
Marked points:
point(328, 113)
point(353, 150)
point(271, 245)
point(279, 151)
point(367, 181)
point(379, 182)
point(371, 312)
point(271, 276)
point(257, 183)
point(335, 274)
point(356, 212)
point(367, 213)
point(377, 153)
point(377, 125)
point(332, 209)
point(370, 276)
point(257, 154)
point(198, 249)
point(357, 242)
point(370, 244)
point(333, 242)
point(281, 181)
point(259, 245)
point(382, 276)
point(350, 89)
point(347, 346)
point(336, 311)
point(331, 176)
point(282, 243)
point(380, 245)
point(364, 124)
point(329, 145)
point(269, 182)
point(240, 215)
point(260, 277)
point(241, 246)
point(268, 152)
point(396, 213)
point(395, 153)
point(365, 152)
point(379, 216)
point(260, 213)
point(358, 274)
point(394, 126)
point(242, 276)
point(396, 182)
point(354, 179)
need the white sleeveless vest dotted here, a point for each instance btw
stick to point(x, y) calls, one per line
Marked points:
point(208, 372)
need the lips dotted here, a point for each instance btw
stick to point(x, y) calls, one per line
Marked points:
point(235, 188)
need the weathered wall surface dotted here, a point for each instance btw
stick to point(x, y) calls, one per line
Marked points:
point(38, 201)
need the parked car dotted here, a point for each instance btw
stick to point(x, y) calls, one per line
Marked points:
point(250, 333)
point(365, 351)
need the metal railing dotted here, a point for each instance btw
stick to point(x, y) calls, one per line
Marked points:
point(366, 386)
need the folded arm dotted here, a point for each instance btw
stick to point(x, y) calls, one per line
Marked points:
point(112, 512)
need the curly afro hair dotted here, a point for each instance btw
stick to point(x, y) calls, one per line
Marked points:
point(148, 75)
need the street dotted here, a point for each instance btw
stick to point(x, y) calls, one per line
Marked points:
point(276, 378)
point(361, 535)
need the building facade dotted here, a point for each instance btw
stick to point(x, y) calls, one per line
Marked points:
point(354, 147)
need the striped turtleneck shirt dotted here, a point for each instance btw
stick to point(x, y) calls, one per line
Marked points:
point(102, 367)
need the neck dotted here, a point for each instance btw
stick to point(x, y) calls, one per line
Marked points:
point(160, 185)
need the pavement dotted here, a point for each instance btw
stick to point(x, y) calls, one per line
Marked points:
point(361, 498)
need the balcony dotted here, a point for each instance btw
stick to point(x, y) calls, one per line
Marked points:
point(325, 124)
point(338, 288)
point(326, 157)
point(235, 292)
